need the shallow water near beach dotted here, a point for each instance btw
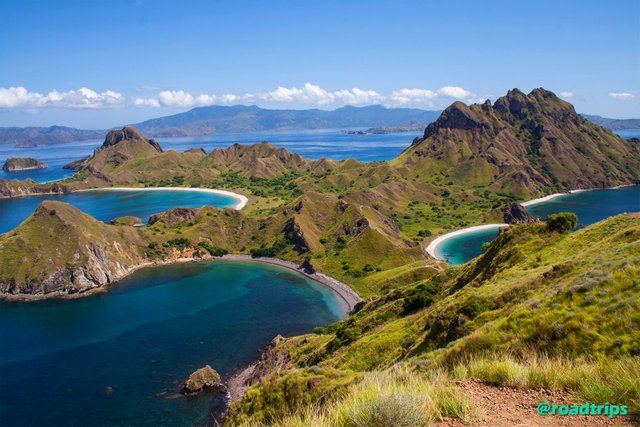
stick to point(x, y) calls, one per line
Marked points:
point(107, 205)
point(120, 357)
point(590, 206)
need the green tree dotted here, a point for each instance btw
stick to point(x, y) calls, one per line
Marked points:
point(562, 222)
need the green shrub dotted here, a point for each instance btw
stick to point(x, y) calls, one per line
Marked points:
point(180, 242)
point(562, 222)
point(420, 297)
point(475, 305)
point(213, 250)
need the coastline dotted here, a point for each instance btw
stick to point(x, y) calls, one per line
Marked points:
point(345, 294)
point(578, 190)
point(344, 291)
point(433, 245)
point(241, 199)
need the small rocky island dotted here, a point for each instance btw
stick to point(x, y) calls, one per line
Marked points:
point(200, 380)
point(17, 164)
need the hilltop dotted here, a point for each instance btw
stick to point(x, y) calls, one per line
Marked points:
point(522, 144)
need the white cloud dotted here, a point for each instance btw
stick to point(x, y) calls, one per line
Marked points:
point(566, 94)
point(309, 94)
point(622, 96)
point(454, 92)
point(146, 102)
point(427, 97)
point(317, 96)
point(20, 97)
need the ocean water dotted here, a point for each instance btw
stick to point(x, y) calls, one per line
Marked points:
point(332, 143)
point(107, 205)
point(629, 133)
point(142, 339)
point(589, 206)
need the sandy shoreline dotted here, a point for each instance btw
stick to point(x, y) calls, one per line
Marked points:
point(579, 190)
point(348, 296)
point(433, 245)
point(431, 249)
point(242, 199)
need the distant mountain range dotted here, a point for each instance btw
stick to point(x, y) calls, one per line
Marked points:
point(38, 136)
point(613, 124)
point(204, 121)
point(240, 118)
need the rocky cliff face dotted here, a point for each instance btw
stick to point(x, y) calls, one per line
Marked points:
point(523, 144)
point(128, 133)
point(515, 213)
point(62, 250)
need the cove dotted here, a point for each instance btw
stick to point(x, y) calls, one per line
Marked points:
point(143, 337)
point(590, 206)
point(107, 204)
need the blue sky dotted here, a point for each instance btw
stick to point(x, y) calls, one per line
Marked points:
point(101, 64)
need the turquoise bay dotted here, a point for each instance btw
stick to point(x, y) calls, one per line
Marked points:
point(106, 205)
point(590, 206)
point(143, 337)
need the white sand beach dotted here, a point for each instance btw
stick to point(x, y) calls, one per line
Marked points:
point(431, 249)
point(545, 198)
point(242, 200)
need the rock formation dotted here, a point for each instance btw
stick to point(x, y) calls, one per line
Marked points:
point(203, 379)
point(515, 213)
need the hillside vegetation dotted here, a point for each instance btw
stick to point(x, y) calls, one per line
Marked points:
point(539, 308)
point(536, 310)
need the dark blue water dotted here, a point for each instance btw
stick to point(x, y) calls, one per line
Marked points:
point(590, 206)
point(143, 338)
point(334, 144)
point(629, 133)
point(106, 205)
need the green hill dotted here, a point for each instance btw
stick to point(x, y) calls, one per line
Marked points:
point(535, 310)
point(523, 144)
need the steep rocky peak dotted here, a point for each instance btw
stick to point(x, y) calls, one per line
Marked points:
point(456, 116)
point(517, 104)
point(128, 133)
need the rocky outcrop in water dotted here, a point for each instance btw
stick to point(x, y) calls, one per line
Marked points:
point(203, 379)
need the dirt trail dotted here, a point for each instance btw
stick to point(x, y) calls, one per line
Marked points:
point(509, 407)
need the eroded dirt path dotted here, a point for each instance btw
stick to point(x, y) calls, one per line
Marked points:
point(509, 407)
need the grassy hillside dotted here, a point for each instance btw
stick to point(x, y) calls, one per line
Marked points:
point(522, 144)
point(534, 311)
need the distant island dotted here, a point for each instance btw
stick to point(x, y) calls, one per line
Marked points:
point(613, 124)
point(412, 126)
point(29, 137)
point(212, 120)
point(215, 119)
point(17, 164)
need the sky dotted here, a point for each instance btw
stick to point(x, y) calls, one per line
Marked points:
point(98, 64)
